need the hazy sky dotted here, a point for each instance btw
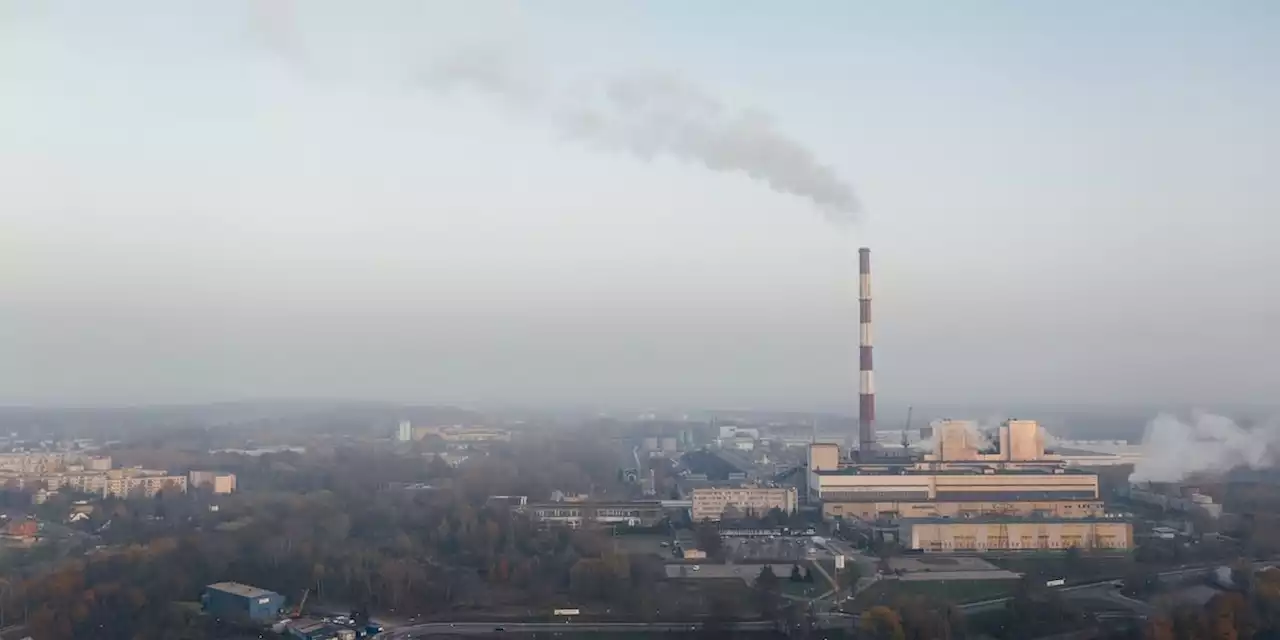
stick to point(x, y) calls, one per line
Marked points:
point(234, 198)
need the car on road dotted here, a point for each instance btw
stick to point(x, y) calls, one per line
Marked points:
point(499, 629)
point(696, 567)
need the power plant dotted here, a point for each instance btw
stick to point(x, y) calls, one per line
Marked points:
point(968, 483)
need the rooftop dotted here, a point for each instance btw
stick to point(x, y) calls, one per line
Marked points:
point(241, 589)
point(978, 469)
point(617, 504)
point(1004, 519)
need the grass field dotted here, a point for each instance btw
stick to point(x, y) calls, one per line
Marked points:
point(954, 591)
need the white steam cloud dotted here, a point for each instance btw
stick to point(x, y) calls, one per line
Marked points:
point(1174, 449)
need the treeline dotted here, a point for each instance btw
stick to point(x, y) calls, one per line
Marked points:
point(1251, 612)
point(331, 524)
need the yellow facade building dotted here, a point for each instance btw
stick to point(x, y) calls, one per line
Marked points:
point(1014, 534)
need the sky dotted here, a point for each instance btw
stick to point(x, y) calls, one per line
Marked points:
point(577, 201)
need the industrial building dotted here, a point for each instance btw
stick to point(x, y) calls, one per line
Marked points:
point(710, 503)
point(964, 509)
point(235, 601)
point(971, 489)
point(964, 475)
point(645, 513)
point(995, 533)
point(1174, 497)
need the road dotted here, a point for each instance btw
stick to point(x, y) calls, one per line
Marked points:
point(477, 628)
point(1104, 589)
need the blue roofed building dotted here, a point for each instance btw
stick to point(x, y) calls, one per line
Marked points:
point(235, 601)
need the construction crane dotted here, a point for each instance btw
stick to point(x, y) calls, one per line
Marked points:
point(297, 612)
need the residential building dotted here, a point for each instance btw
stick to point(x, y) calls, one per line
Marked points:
point(148, 483)
point(219, 482)
point(34, 462)
point(114, 482)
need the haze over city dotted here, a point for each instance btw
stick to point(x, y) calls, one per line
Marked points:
point(210, 201)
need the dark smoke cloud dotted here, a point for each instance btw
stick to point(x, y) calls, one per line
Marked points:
point(649, 115)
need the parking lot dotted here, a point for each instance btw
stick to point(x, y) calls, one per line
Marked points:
point(772, 549)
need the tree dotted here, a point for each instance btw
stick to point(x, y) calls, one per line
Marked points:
point(1229, 616)
point(881, 623)
point(767, 590)
point(927, 619)
point(767, 579)
point(1158, 628)
point(707, 537)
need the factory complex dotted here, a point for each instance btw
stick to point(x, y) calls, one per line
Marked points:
point(968, 494)
point(969, 489)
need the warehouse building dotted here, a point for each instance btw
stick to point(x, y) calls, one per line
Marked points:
point(235, 601)
point(994, 533)
point(710, 503)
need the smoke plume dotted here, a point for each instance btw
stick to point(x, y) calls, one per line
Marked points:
point(644, 114)
point(653, 114)
point(1173, 449)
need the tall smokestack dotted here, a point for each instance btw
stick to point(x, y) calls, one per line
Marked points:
point(866, 379)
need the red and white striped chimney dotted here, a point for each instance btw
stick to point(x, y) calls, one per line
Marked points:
point(866, 379)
